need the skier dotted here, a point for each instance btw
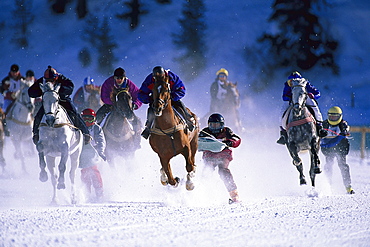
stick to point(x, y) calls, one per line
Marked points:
point(89, 160)
point(313, 95)
point(216, 129)
point(336, 145)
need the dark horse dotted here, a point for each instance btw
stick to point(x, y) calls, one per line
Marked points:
point(302, 133)
point(170, 136)
point(118, 131)
point(2, 160)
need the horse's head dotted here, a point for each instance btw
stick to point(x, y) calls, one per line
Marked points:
point(50, 101)
point(299, 95)
point(161, 96)
point(122, 102)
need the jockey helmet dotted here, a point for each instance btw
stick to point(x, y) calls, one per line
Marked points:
point(294, 75)
point(158, 70)
point(88, 81)
point(119, 72)
point(216, 123)
point(222, 71)
point(334, 115)
point(50, 74)
point(30, 73)
point(14, 68)
point(89, 116)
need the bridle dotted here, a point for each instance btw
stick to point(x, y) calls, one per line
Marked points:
point(161, 103)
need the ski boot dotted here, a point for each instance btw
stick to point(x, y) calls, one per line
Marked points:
point(350, 190)
point(234, 197)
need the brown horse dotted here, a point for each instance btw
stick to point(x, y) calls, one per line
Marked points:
point(119, 133)
point(170, 136)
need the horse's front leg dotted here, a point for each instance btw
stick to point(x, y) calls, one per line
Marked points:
point(297, 162)
point(72, 174)
point(62, 166)
point(190, 167)
point(166, 173)
point(51, 167)
point(315, 162)
point(43, 177)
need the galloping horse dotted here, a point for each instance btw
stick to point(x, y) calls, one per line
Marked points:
point(170, 136)
point(2, 160)
point(301, 129)
point(19, 122)
point(58, 138)
point(228, 107)
point(118, 131)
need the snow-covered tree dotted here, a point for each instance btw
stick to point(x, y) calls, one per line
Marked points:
point(299, 39)
point(22, 18)
point(190, 39)
point(99, 36)
point(134, 13)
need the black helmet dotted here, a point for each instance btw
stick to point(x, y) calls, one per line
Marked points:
point(216, 123)
point(158, 70)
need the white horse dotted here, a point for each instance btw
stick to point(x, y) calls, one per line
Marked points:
point(58, 138)
point(19, 121)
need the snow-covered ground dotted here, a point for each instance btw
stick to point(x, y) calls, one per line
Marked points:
point(138, 211)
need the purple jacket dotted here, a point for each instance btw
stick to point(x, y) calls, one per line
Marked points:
point(107, 88)
point(177, 88)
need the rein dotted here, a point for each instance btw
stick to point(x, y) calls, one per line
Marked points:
point(59, 125)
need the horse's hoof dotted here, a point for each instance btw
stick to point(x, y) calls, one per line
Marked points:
point(177, 182)
point(189, 183)
point(164, 179)
point(43, 176)
point(317, 170)
point(61, 186)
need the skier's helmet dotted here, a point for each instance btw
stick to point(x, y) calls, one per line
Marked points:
point(216, 123)
point(334, 115)
point(89, 116)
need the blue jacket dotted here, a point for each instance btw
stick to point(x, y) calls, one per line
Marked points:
point(177, 88)
point(287, 92)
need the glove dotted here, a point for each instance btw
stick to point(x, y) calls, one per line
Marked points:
point(87, 138)
point(103, 156)
point(228, 143)
point(311, 96)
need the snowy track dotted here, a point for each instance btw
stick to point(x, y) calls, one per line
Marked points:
point(139, 211)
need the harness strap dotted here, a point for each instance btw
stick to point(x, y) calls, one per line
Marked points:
point(301, 121)
point(59, 125)
point(167, 131)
